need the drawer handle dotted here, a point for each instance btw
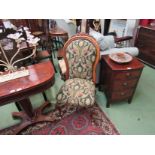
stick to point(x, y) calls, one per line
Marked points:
point(125, 84)
point(122, 93)
point(128, 74)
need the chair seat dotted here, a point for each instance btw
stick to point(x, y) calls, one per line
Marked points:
point(37, 33)
point(77, 92)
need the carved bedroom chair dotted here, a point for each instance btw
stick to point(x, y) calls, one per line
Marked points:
point(81, 56)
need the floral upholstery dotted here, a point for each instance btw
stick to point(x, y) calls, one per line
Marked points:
point(80, 55)
point(77, 92)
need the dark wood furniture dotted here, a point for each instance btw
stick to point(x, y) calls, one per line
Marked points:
point(145, 41)
point(119, 81)
point(37, 26)
point(19, 22)
point(126, 38)
point(55, 34)
point(19, 90)
point(106, 26)
point(58, 32)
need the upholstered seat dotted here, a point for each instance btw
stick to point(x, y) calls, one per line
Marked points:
point(81, 55)
point(38, 33)
point(77, 92)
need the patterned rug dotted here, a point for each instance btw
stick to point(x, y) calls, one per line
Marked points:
point(90, 121)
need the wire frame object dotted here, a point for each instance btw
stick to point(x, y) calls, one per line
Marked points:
point(10, 65)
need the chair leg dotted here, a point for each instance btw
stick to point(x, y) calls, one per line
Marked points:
point(18, 106)
point(45, 97)
point(54, 46)
point(51, 58)
point(54, 54)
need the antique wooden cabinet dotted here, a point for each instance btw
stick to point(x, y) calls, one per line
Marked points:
point(119, 81)
point(145, 41)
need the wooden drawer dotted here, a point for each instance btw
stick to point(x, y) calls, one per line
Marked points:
point(119, 95)
point(126, 75)
point(124, 84)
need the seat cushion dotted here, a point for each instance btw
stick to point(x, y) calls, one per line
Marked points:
point(77, 92)
point(37, 33)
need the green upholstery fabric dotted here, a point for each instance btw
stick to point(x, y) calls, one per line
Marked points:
point(77, 92)
point(6, 119)
point(80, 55)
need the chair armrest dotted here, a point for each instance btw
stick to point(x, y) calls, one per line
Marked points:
point(123, 39)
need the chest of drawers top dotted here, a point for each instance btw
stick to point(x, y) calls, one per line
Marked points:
point(133, 65)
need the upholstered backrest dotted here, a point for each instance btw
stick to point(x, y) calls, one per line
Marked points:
point(81, 56)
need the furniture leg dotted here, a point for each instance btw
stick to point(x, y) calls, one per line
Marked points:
point(27, 107)
point(18, 106)
point(108, 104)
point(38, 116)
point(129, 100)
point(54, 46)
point(36, 84)
point(51, 58)
point(45, 97)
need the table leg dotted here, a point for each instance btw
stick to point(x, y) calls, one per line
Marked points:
point(30, 116)
point(27, 107)
point(108, 104)
point(18, 106)
point(129, 100)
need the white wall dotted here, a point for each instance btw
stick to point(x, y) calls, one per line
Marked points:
point(130, 27)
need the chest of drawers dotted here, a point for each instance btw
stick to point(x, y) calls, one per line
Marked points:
point(119, 81)
point(145, 41)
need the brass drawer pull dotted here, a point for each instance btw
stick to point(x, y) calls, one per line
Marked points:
point(128, 74)
point(122, 93)
point(125, 84)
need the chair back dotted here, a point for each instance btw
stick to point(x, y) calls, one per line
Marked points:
point(37, 25)
point(81, 57)
point(19, 22)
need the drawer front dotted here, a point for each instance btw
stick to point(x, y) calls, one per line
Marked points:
point(124, 84)
point(119, 95)
point(126, 75)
